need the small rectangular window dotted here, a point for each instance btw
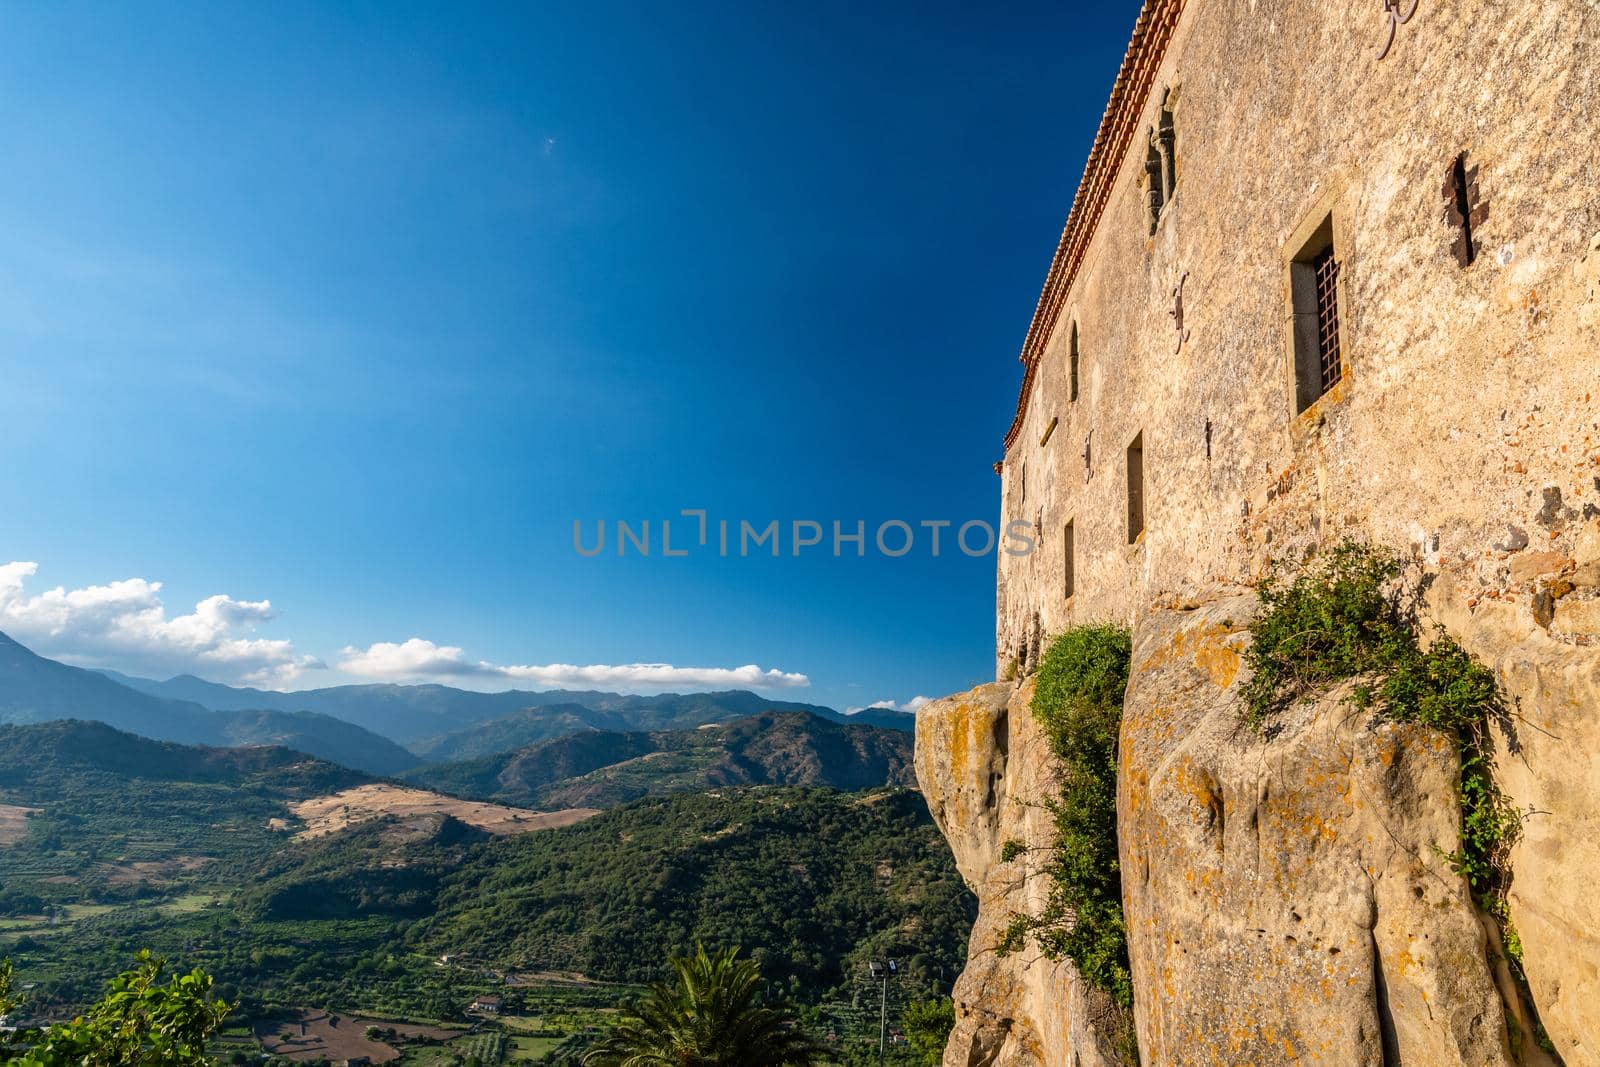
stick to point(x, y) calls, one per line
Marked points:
point(1069, 547)
point(1136, 489)
point(1314, 284)
point(1074, 358)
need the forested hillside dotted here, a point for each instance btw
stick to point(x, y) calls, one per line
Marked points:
point(811, 880)
point(604, 768)
point(110, 843)
point(102, 815)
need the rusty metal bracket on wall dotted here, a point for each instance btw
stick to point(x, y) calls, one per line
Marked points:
point(1177, 311)
point(1397, 18)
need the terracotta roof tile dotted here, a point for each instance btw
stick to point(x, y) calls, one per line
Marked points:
point(1151, 33)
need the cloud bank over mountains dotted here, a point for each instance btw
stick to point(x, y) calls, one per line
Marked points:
point(421, 660)
point(124, 624)
point(912, 705)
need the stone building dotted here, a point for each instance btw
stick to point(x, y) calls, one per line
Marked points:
point(1333, 271)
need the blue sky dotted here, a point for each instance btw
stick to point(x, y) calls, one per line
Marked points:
point(332, 320)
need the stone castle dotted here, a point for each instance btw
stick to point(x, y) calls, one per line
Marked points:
point(1332, 272)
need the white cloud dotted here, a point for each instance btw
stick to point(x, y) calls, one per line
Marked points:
point(418, 659)
point(125, 624)
point(415, 658)
point(912, 705)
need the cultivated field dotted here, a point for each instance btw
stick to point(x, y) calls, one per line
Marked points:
point(320, 1035)
point(330, 814)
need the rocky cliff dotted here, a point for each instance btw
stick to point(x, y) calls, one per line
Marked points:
point(1287, 893)
point(988, 775)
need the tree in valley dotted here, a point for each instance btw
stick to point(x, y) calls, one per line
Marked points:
point(928, 1024)
point(712, 1015)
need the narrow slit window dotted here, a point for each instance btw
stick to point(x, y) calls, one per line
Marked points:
point(1314, 285)
point(1073, 368)
point(1167, 139)
point(1069, 547)
point(1136, 489)
point(1154, 170)
point(1465, 209)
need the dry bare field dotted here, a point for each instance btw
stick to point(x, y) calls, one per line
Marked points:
point(330, 814)
point(156, 872)
point(13, 823)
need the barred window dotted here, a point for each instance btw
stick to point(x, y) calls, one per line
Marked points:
point(1327, 273)
point(1318, 348)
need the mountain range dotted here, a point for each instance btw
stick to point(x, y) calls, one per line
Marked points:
point(380, 729)
point(34, 689)
point(423, 717)
point(602, 768)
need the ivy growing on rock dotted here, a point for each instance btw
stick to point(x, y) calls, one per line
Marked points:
point(1343, 617)
point(1077, 700)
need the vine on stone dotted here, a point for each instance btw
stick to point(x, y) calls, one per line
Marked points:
point(1343, 617)
point(1078, 701)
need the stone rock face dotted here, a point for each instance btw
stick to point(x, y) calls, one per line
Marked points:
point(1548, 763)
point(987, 773)
point(1287, 899)
point(1287, 893)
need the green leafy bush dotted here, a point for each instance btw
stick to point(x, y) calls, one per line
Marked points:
point(928, 1024)
point(141, 1020)
point(1078, 701)
point(1342, 618)
point(1333, 621)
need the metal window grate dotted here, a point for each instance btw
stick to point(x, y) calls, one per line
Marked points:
point(1326, 270)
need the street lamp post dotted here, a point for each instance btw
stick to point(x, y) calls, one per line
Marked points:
point(883, 972)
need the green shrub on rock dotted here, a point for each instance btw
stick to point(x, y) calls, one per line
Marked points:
point(1343, 618)
point(1077, 699)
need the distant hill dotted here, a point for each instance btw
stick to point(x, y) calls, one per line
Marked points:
point(108, 814)
point(617, 714)
point(34, 689)
point(601, 768)
point(41, 761)
point(524, 727)
point(819, 881)
point(438, 721)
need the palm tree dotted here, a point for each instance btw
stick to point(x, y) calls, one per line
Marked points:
point(711, 1016)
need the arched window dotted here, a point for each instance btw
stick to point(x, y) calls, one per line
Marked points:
point(1161, 161)
point(1153, 169)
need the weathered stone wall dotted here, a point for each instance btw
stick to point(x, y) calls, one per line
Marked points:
point(1470, 414)
point(1465, 435)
